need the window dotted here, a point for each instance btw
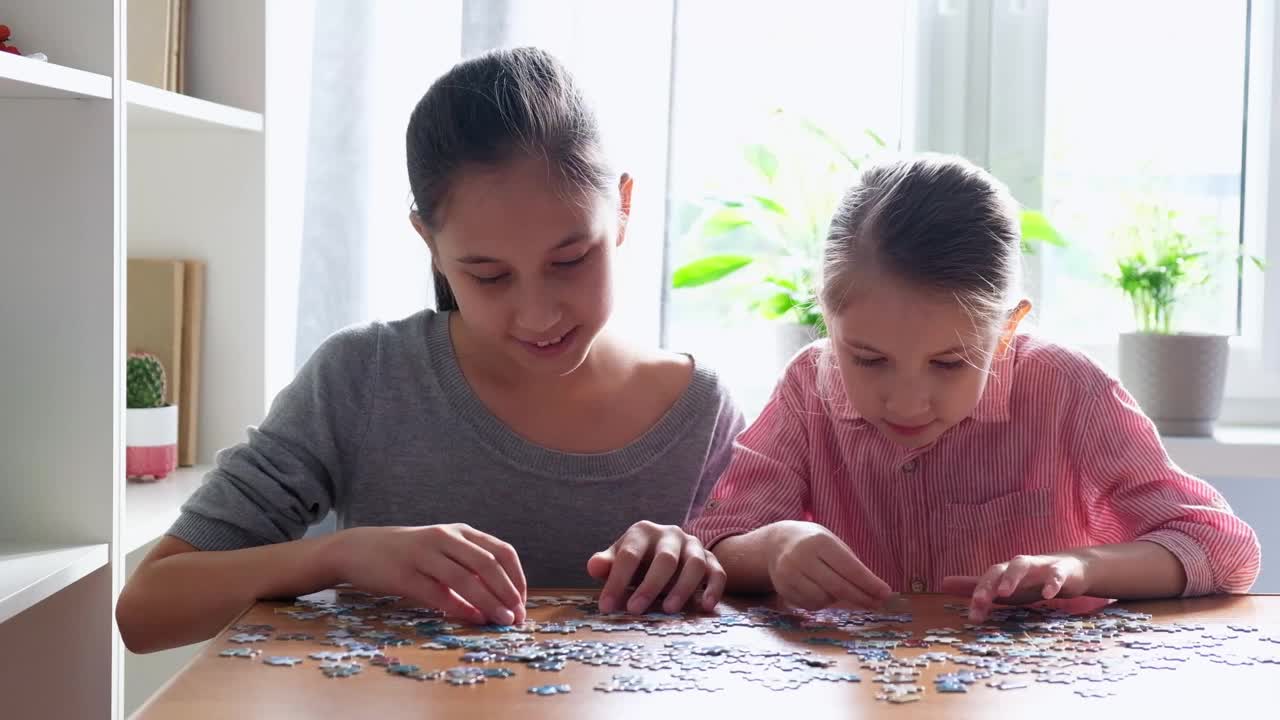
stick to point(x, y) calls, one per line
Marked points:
point(1144, 106)
point(838, 65)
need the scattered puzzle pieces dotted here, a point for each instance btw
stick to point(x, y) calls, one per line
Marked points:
point(282, 660)
point(1016, 648)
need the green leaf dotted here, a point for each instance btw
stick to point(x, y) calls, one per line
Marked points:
point(708, 270)
point(1156, 273)
point(821, 133)
point(777, 305)
point(1036, 229)
point(716, 200)
point(879, 141)
point(763, 160)
point(725, 220)
point(783, 283)
point(769, 204)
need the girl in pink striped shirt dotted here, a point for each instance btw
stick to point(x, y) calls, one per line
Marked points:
point(928, 447)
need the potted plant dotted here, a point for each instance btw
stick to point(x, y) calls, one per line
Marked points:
point(780, 212)
point(785, 208)
point(151, 425)
point(1177, 377)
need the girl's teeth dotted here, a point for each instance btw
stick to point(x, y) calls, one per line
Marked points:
point(549, 342)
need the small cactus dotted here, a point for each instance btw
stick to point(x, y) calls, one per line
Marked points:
point(145, 381)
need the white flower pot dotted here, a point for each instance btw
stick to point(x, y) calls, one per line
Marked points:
point(151, 442)
point(1178, 380)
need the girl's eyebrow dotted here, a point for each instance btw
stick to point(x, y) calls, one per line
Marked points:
point(859, 345)
point(482, 259)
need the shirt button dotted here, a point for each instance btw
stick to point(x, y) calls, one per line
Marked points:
point(917, 585)
point(910, 466)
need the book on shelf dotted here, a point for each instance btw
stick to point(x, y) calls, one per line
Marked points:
point(176, 62)
point(166, 318)
point(157, 42)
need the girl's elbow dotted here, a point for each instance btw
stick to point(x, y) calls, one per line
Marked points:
point(133, 628)
point(1238, 583)
point(1240, 571)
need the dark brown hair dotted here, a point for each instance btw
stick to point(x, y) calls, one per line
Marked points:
point(935, 221)
point(487, 110)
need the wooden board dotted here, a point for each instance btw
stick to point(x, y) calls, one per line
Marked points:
point(155, 312)
point(150, 38)
point(192, 350)
point(176, 67)
point(216, 687)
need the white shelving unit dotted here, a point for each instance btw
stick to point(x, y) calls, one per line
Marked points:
point(33, 573)
point(23, 79)
point(154, 109)
point(99, 169)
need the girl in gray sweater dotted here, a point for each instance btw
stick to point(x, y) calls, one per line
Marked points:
point(494, 443)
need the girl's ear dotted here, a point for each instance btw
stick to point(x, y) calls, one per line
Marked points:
point(1016, 316)
point(624, 206)
point(421, 228)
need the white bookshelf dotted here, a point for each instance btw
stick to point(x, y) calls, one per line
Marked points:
point(155, 109)
point(23, 79)
point(99, 169)
point(29, 574)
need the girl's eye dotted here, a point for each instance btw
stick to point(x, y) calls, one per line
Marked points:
point(570, 263)
point(948, 364)
point(491, 279)
point(868, 362)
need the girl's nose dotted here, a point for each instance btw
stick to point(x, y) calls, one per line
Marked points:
point(538, 313)
point(907, 402)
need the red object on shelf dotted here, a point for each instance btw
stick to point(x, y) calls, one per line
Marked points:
point(10, 49)
point(150, 463)
point(4, 33)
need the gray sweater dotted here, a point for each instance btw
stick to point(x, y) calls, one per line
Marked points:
point(381, 426)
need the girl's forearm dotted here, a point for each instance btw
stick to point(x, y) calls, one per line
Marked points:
point(1131, 571)
point(179, 595)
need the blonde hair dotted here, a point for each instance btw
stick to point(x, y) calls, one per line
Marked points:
point(936, 221)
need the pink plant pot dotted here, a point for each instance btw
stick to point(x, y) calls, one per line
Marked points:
point(151, 442)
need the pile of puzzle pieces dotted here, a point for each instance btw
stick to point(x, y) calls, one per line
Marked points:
point(1013, 650)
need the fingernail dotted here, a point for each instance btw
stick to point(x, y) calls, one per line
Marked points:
point(639, 603)
point(506, 617)
point(708, 602)
point(607, 603)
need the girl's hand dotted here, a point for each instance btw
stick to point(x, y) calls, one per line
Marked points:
point(468, 574)
point(811, 568)
point(675, 560)
point(1025, 579)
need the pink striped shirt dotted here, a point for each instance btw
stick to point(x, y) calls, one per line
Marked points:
point(1056, 455)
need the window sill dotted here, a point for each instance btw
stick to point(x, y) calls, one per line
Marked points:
point(1251, 453)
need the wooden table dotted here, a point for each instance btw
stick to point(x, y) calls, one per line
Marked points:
point(220, 687)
